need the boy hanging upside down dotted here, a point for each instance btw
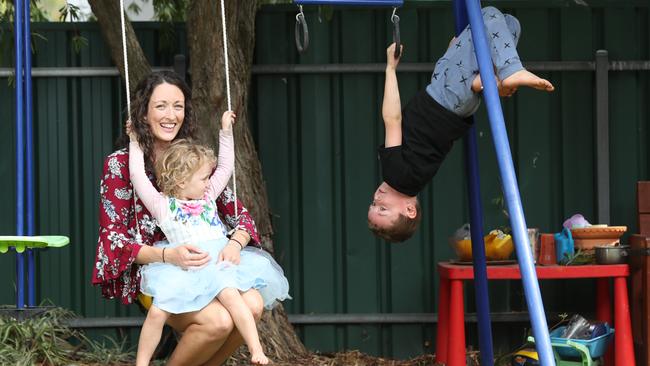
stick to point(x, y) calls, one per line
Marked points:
point(419, 137)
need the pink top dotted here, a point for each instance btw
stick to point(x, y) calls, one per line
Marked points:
point(155, 201)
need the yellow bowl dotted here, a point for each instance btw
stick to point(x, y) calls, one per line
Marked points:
point(497, 247)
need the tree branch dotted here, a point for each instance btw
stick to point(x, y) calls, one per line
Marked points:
point(108, 16)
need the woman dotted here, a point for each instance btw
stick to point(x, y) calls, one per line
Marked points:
point(162, 112)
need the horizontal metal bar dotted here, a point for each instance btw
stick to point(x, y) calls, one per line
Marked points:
point(324, 319)
point(272, 69)
point(59, 72)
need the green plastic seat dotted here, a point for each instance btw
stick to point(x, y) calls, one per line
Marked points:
point(20, 243)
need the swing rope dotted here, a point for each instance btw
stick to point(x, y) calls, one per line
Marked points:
point(138, 236)
point(227, 70)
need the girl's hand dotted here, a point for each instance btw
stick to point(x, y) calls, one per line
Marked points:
point(227, 120)
point(130, 131)
point(391, 60)
point(186, 256)
point(230, 253)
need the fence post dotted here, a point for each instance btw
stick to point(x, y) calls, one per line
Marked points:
point(602, 136)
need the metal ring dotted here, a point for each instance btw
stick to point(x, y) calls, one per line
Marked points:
point(396, 36)
point(300, 20)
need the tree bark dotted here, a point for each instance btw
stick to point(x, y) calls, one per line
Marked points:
point(206, 64)
point(108, 17)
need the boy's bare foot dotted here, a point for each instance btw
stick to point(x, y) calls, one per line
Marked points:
point(259, 358)
point(526, 78)
point(477, 87)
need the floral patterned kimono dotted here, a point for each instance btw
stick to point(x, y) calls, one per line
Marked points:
point(115, 270)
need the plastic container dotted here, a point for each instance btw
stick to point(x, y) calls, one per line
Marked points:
point(596, 346)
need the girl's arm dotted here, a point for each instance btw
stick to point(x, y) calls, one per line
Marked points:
point(226, 162)
point(152, 199)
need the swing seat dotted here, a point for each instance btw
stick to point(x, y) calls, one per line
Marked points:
point(20, 243)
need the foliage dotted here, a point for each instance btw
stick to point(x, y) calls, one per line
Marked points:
point(45, 339)
point(70, 12)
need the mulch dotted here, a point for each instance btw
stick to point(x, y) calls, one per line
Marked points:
point(349, 358)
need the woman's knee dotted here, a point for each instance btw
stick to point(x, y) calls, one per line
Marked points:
point(220, 324)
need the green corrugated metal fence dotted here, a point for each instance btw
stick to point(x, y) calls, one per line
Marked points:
point(317, 136)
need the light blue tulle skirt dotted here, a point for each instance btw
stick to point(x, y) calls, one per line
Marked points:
point(176, 290)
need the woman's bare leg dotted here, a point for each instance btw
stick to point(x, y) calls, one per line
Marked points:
point(204, 332)
point(255, 303)
point(150, 335)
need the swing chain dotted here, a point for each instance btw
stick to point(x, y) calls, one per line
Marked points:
point(301, 23)
point(394, 18)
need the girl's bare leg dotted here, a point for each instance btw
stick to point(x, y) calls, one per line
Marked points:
point(243, 318)
point(204, 334)
point(150, 335)
point(255, 303)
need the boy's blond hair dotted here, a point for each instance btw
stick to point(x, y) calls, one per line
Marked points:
point(179, 161)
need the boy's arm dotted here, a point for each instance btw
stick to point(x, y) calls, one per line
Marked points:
point(391, 110)
point(226, 160)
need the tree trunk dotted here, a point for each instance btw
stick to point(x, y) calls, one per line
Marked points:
point(108, 17)
point(206, 63)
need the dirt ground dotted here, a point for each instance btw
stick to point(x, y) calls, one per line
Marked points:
point(351, 358)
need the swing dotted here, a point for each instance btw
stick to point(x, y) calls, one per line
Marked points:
point(138, 236)
point(301, 24)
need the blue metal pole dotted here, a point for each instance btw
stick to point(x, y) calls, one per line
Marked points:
point(476, 224)
point(20, 158)
point(510, 188)
point(27, 47)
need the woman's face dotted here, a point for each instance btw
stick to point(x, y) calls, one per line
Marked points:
point(166, 112)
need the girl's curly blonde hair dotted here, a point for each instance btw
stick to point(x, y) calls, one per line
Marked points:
point(179, 162)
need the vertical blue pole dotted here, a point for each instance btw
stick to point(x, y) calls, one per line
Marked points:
point(20, 158)
point(476, 224)
point(27, 47)
point(510, 188)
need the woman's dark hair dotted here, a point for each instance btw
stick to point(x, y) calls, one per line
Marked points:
point(140, 105)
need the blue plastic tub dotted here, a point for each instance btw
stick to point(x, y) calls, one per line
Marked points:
point(597, 346)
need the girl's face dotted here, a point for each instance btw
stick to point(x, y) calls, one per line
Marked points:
point(197, 185)
point(166, 112)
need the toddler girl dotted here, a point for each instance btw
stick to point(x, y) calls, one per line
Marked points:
point(187, 214)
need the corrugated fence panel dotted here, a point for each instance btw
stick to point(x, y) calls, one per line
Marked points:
point(551, 139)
point(317, 136)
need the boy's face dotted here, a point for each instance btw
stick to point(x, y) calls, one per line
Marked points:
point(387, 204)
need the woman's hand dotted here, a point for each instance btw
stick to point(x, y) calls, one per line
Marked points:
point(227, 120)
point(186, 256)
point(230, 253)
